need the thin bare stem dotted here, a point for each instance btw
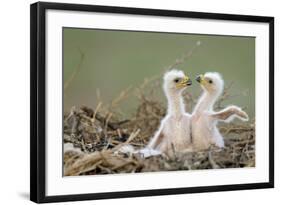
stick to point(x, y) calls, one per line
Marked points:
point(185, 56)
point(75, 72)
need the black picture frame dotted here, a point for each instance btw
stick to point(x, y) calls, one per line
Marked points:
point(38, 101)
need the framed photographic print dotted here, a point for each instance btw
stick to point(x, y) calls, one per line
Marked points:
point(129, 102)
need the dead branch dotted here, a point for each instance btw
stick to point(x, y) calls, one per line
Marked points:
point(77, 69)
point(185, 56)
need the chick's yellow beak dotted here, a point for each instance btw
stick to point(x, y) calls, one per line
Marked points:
point(200, 79)
point(184, 82)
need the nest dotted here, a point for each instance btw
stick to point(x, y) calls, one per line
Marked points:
point(93, 136)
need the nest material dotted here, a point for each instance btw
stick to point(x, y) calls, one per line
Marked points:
point(92, 140)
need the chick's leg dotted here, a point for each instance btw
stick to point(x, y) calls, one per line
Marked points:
point(156, 140)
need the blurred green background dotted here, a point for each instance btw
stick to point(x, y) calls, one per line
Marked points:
point(116, 60)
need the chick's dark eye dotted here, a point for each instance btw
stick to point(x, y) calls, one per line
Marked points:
point(176, 80)
point(210, 81)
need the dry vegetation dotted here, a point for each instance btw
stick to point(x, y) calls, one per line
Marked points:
point(93, 136)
